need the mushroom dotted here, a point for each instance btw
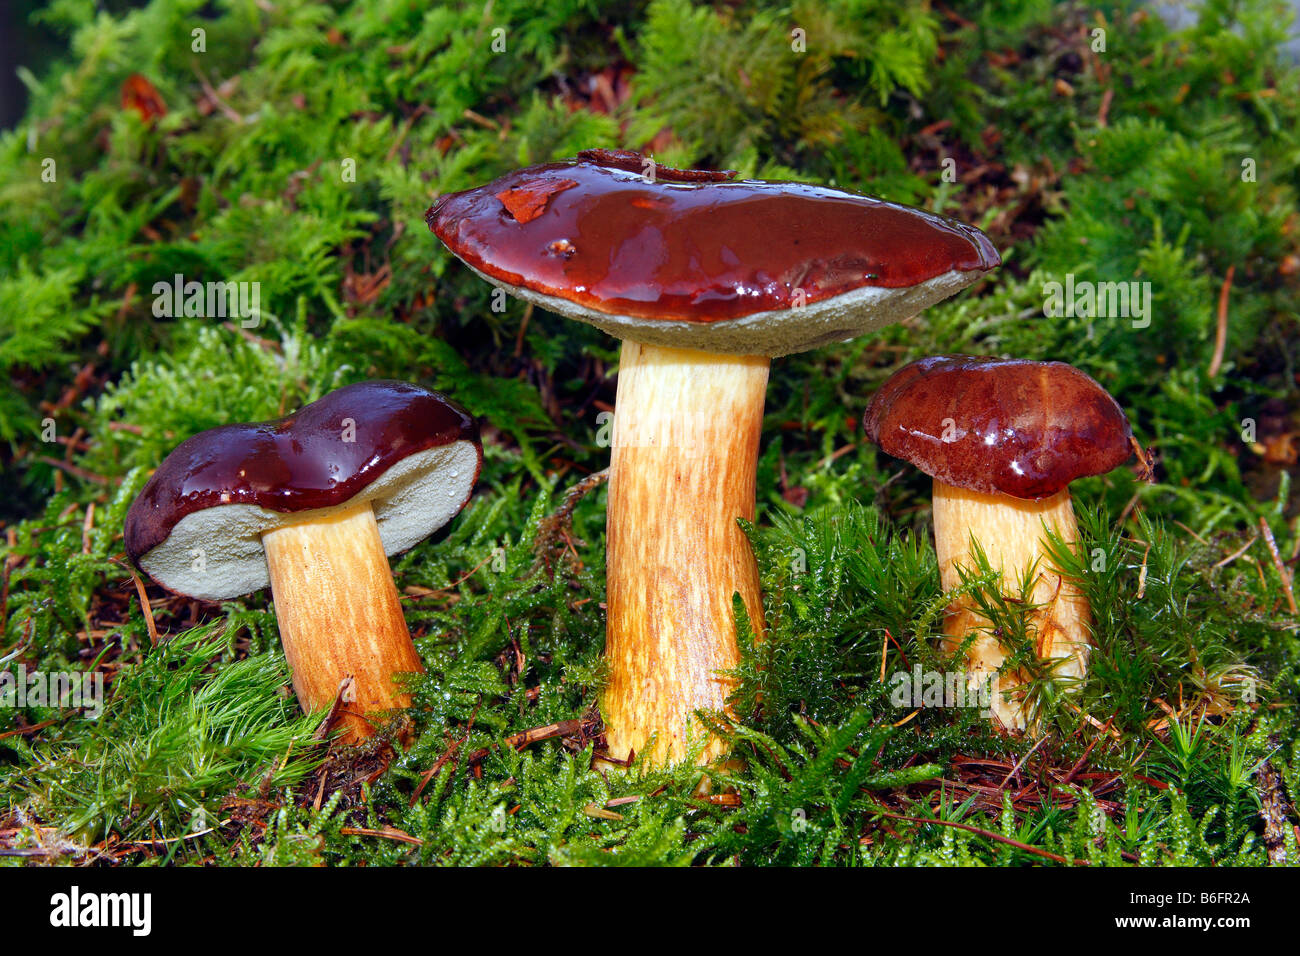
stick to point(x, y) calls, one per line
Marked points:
point(705, 280)
point(1003, 439)
point(312, 504)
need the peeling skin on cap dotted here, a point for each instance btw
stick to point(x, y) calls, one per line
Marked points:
point(999, 426)
point(695, 259)
point(196, 526)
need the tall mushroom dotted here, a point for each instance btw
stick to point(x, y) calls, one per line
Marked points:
point(1003, 439)
point(312, 504)
point(705, 280)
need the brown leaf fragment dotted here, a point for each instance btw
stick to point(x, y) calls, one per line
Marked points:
point(142, 96)
point(525, 203)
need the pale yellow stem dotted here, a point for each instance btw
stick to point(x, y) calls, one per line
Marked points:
point(1011, 533)
point(339, 614)
point(686, 434)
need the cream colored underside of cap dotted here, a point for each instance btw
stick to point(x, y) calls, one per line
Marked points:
point(773, 333)
point(216, 553)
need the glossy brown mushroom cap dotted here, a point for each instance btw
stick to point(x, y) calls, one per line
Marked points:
point(999, 426)
point(595, 237)
point(219, 490)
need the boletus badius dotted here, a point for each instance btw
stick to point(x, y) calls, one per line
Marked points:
point(313, 504)
point(705, 279)
point(1003, 439)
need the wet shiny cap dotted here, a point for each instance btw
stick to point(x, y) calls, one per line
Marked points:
point(697, 259)
point(196, 526)
point(999, 426)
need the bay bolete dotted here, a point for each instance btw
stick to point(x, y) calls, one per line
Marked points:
point(312, 504)
point(1003, 439)
point(705, 279)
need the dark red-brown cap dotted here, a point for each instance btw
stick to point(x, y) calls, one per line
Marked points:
point(999, 426)
point(696, 259)
point(196, 526)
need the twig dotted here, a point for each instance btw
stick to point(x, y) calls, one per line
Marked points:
point(178, 839)
point(437, 765)
point(989, 834)
point(480, 120)
point(902, 654)
point(1282, 571)
point(32, 729)
point(23, 643)
point(523, 327)
point(578, 491)
point(420, 110)
point(1021, 762)
point(1239, 552)
point(620, 801)
point(441, 761)
point(1128, 508)
point(836, 454)
point(216, 99)
point(1104, 728)
point(1192, 533)
point(1221, 331)
point(536, 734)
point(73, 470)
point(145, 607)
point(565, 728)
point(86, 527)
point(1142, 574)
point(429, 592)
point(557, 523)
point(12, 560)
point(1104, 111)
point(249, 337)
point(1079, 766)
point(387, 833)
point(336, 709)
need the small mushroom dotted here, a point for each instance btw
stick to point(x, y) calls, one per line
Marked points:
point(312, 504)
point(705, 280)
point(1003, 439)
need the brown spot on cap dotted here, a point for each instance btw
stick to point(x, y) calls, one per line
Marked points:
point(999, 426)
point(527, 201)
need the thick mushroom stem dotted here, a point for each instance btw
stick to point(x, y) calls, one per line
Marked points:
point(685, 453)
point(1011, 533)
point(339, 614)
